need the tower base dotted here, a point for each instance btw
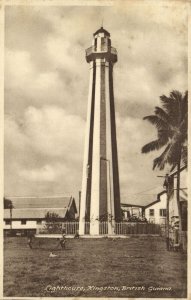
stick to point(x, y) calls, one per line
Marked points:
point(97, 228)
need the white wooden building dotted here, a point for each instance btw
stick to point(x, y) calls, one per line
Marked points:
point(28, 213)
point(130, 210)
point(155, 212)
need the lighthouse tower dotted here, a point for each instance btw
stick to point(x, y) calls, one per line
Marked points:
point(100, 197)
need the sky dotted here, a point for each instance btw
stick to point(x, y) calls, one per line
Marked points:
point(46, 90)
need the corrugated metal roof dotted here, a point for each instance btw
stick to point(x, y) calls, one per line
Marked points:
point(139, 199)
point(33, 213)
point(41, 202)
point(143, 198)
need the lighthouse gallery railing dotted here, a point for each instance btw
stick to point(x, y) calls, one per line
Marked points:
point(93, 49)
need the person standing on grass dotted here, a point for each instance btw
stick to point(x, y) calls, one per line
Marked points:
point(63, 240)
point(30, 236)
point(77, 236)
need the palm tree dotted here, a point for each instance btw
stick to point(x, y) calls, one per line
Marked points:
point(171, 122)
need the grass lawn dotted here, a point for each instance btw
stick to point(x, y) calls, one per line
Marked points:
point(129, 267)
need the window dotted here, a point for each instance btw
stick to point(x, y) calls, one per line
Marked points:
point(103, 44)
point(39, 222)
point(151, 212)
point(162, 212)
point(7, 222)
point(95, 43)
point(23, 222)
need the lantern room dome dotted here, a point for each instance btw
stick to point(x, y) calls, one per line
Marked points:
point(102, 30)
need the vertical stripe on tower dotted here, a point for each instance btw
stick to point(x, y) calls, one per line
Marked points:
point(114, 147)
point(95, 184)
point(103, 162)
point(89, 168)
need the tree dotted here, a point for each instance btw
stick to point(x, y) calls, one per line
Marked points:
point(171, 122)
point(53, 223)
point(9, 205)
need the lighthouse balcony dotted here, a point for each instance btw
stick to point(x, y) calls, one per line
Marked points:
point(109, 53)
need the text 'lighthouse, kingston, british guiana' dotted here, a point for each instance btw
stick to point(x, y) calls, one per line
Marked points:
point(100, 196)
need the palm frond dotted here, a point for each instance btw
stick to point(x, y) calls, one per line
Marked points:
point(173, 167)
point(165, 134)
point(184, 106)
point(172, 106)
point(154, 145)
point(166, 101)
point(176, 95)
point(185, 155)
point(160, 161)
point(183, 130)
point(170, 155)
point(162, 114)
point(157, 121)
point(174, 153)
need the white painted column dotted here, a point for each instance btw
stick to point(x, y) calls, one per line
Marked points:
point(95, 187)
point(85, 162)
point(110, 189)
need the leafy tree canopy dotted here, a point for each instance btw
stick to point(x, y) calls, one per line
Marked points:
point(8, 204)
point(52, 217)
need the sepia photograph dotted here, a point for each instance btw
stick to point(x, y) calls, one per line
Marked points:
point(95, 196)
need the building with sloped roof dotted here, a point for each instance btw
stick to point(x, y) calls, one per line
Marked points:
point(150, 205)
point(155, 212)
point(26, 213)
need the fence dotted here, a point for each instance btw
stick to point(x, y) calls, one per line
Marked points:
point(123, 228)
point(137, 228)
point(163, 230)
point(184, 241)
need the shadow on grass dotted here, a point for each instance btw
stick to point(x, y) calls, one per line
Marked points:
point(50, 249)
